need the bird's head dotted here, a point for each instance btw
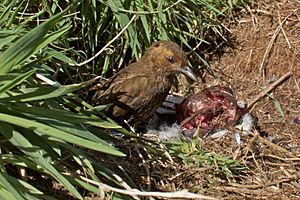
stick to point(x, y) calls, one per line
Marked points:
point(169, 58)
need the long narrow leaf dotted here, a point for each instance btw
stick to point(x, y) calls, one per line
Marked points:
point(16, 81)
point(14, 193)
point(42, 93)
point(24, 47)
point(26, 147)
point(43, 129)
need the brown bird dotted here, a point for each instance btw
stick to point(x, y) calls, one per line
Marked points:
point(137, 90)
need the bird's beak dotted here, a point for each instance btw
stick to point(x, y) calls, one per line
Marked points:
point(188, 72)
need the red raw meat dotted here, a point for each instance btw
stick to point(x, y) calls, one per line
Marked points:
point(199, 110)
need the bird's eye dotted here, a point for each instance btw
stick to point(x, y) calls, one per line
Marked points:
point(171, 59)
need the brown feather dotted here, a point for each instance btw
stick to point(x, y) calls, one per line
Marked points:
point(139, 89)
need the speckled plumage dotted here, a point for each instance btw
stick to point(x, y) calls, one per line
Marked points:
point(139, 89)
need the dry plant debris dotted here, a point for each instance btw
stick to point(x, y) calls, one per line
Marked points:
point(263, 68)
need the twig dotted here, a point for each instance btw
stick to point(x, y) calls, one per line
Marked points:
point(253, 187)
point(247, 149)
point(284, 34)
point(146, 166)
point(294, 159)
point(248, 191)
point(134, 192)
point(121, 182)
point(166, 153)
point(267, 53)
point(104, 48)
point(130, 127)
point(297, 84)
point(279, 164)
point(253, 18)
point(249, 59)
point(269, 89)
point(272, 145)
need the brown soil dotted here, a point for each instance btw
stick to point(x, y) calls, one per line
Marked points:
point(267, 38)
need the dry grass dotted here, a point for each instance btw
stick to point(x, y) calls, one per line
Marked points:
point(267, 38)
point(266, 48)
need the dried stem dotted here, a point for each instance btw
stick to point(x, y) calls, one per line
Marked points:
point(269, 89)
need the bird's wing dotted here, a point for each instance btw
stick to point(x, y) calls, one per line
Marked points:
point(134, 94)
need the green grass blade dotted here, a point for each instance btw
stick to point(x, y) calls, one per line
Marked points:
point(6, 11)
point(43, 129)
point(13, 192)
point(16, 81)
point(52, 36)
point(5, 194)
point(42, 93)
point(13, 16)
point(17, 139)
point(123, 19)
point(22, 185)
point(24, 47)
point(60, 56)
point(60, 115)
